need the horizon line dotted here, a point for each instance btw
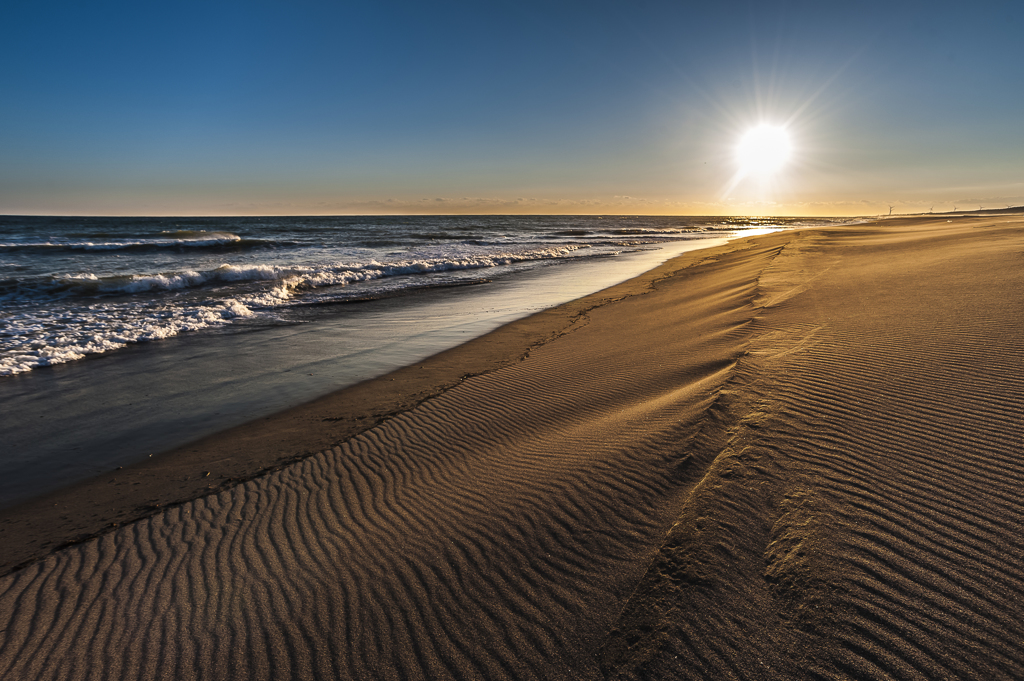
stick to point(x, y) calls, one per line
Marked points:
point(615, 215)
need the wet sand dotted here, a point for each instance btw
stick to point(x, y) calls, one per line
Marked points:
point(793, 456)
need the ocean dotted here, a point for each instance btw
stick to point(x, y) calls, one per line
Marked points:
point(124, 337)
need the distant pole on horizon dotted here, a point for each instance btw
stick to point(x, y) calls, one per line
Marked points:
point(954, 209)
point(890, 210)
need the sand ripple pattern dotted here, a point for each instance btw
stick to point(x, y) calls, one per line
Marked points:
point(864, 519)
point(492, 532)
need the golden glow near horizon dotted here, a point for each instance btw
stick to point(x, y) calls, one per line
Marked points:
point(763, 150)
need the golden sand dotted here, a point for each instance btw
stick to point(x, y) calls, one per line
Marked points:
point(795, 456)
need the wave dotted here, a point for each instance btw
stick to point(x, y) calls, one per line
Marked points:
point(33, 336)
point(191, 233)
point(651, 230)
point(290, 279)
point(207, 240)
point(298, 280)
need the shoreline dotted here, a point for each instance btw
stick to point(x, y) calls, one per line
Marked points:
point(797, 455)
point(72, 422)
point(34, 528)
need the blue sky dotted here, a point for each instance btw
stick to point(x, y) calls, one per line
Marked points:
point(309, 107)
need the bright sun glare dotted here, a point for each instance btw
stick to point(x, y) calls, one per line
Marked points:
point(763, 150)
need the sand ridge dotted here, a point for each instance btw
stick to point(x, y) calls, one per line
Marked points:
point(863, 516)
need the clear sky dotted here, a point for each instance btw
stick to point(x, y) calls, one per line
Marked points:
point(313, 107)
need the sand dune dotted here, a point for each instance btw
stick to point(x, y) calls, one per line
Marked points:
point(796, 456)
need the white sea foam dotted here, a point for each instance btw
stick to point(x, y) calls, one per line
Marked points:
point(44, 338)
point(246, 273)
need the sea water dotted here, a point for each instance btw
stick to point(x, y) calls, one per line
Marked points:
point(124, 337)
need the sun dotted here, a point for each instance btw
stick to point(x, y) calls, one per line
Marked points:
point(763, 150)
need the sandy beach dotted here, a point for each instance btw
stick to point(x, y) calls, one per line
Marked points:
point(798, 455)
